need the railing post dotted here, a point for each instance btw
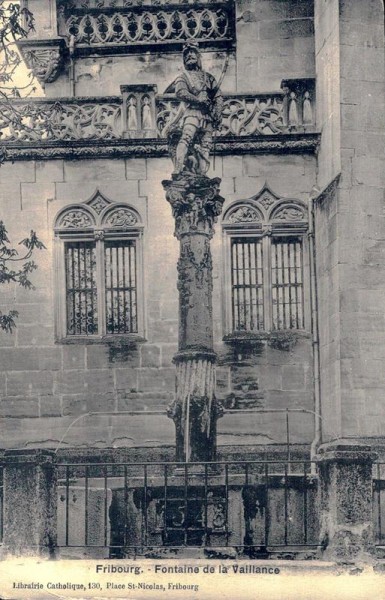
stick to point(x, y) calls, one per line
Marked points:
point(346, 510)
point(30, 503)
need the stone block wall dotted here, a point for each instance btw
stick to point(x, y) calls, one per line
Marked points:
point(350, 219)
point(47, 387)
point(274, 41)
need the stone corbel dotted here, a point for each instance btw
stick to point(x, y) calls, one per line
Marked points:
point(44, 57)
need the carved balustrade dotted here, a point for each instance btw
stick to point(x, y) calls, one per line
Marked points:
point(61, 120)
point(135, 23)
point(139, 113)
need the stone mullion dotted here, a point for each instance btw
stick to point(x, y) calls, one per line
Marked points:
point(101, 287)
point(267, 283)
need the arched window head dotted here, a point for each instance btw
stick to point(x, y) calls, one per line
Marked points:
point(265, 264)
point(99, 270)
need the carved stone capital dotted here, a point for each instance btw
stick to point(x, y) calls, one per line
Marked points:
point(195, 202)
point(45, 58)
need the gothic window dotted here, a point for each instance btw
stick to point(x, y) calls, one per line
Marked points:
point(266, 264)
point(99, 257)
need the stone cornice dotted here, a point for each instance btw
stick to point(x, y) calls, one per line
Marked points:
point(156, 147)
point(328, 191)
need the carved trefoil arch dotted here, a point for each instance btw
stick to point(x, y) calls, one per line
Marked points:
point(97, 212)
point(266, 265)
point(99, 271)
point(267, 210)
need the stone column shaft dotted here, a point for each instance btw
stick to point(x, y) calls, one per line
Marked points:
point(195, 292)
point(196, 204)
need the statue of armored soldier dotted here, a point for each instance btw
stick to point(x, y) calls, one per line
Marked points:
point(196, 204)
point(190, 132)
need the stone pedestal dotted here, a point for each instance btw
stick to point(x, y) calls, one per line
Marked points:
point(346, 519)
point(196, 204)
point(30, 503)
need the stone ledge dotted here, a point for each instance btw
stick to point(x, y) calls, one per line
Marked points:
point(31, 457)
point(345, 450)
point(130, 339)
point(280, 339)
point(157, 147)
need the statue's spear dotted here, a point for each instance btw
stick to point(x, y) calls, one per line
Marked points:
point(219, 83)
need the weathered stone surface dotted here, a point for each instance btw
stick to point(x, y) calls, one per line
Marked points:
point(96, 499)
point(49, 171)
point(287, 28)
point(17, 407)
point(50, 406)
point(35, 195)
point(69, 383)
point(136, 168)
point(345, 471)
point(151, 380)
point(21, 383)
point(30, 519)
point(18, 359)
point(73, 357)
point(144, 401)
point(26, 172)
point(74, 404)
point(99, 170)
point(126, 379)
point(168, 352)
point(99, 381)
point(50, 359)
point(150, 356)
point(35, 335)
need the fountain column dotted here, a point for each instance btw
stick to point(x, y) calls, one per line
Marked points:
point(196, 204)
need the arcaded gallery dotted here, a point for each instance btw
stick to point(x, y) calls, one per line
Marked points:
point(199, 369)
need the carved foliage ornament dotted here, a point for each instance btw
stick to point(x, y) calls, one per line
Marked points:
point(86, 4)
point(193, 272)
point(99, 203)
point(75, 219)
point(289, 213)
point(274, 207)
point(267, 200)
point(121, 217)
point(244, 214)
point(45, 63)
point(195, 203)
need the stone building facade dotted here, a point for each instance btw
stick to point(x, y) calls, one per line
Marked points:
point(298, 252)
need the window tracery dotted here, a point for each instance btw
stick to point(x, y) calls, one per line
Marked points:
point(265, 264)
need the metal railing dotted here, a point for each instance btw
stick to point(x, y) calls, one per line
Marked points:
point(379, 503)
point(258, 508)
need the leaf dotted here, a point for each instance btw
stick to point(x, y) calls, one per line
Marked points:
point(7, 321)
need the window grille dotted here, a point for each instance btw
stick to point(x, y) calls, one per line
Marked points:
point(98, 250)
point(121, 288)
point(287, 284)
point(81, 291)
point(266, 264)
point(247, 284)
